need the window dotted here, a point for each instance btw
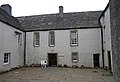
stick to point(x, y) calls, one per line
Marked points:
point(20, 39)
point(36, 39)
point(75, 57)
point(6, 58)
point(51, 39)
point(73, 38)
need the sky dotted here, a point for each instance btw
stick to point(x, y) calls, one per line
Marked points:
point(38, 7)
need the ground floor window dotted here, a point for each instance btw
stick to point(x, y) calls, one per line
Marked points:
point(6, 58)
point(75, 57)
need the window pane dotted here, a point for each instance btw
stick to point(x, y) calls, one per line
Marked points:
point(6, 58)
point(36, 39)
point(51, 38)
point(73, 37)
point(75, 57)
point(19, 39)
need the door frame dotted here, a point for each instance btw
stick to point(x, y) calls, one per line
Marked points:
point(109, 60)
point(48, 57)
point(97, 60)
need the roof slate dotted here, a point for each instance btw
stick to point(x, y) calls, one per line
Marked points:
point(10, 20)
point(54, 21)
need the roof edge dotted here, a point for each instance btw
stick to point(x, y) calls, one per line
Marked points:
point(64, 29)
point(12, 25)
point(58, 13)
point(104, 11)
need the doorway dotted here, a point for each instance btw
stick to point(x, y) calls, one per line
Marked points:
point(96, 60)
point(52, 59)
point(109, 60)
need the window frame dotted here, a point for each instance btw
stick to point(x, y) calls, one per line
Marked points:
point(20, 39)
point(77, 57)
point(8, 58)
point(35, 39)
point(49, 41)
point(76, 44)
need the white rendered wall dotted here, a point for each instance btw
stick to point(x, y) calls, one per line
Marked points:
point(89, 43)
point(9, 44)
point(105, 21)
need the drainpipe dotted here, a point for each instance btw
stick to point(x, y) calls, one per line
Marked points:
point(25, 49)
point(102, 47)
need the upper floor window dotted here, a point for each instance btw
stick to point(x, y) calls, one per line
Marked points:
point(6, 58)
point(19, 37)
point(74, 38)
point(36, 39)
point(51, 39)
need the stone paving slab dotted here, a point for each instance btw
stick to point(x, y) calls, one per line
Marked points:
point(54, 74)
point(41, 81)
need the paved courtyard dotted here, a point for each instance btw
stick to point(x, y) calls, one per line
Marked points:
point(54, 74)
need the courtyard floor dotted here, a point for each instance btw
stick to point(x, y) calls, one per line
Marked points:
point(54, 74)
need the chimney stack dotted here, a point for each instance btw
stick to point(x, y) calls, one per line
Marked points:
point(61, 11)
point(7, 8)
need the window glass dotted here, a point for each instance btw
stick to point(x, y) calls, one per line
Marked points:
point(36, 39)
point(74, 38)
point(51, 38)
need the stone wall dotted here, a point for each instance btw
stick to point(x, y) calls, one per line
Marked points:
point(115, 32)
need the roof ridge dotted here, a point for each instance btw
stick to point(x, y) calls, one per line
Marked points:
point(58, 13)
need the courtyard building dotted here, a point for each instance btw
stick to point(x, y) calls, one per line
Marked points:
point(80, 39)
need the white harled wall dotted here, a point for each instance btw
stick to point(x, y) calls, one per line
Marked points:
point(105, 22)
point(9, 44)
point(89, 43)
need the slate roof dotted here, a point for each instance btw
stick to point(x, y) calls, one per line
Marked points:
point(54, 21)
point(10, 20)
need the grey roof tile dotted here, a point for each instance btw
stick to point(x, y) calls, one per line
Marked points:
point(10, 20)
point(54, 21)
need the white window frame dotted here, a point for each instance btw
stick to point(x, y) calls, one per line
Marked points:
point(7, 58)
point(20, 39)
point(36, 39)
point(74, 38)
point(75, 57)
point(51, 38)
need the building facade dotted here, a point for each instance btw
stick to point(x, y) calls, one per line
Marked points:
point(11, 41)
point(60, 47)
point(64, 39)
point(115, 38)
point(78, 38)
point(106, 31)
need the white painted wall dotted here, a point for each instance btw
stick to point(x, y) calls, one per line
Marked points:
point(89, 43)
point(9, 43)
point(105, 21)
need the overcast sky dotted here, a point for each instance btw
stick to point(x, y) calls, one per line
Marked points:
point(37, 7)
